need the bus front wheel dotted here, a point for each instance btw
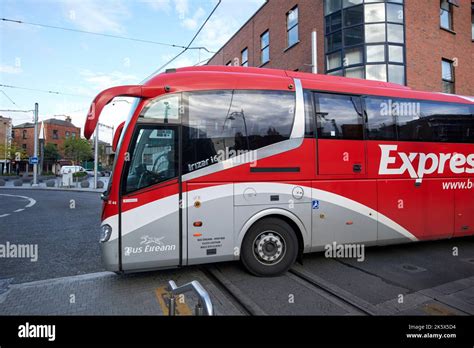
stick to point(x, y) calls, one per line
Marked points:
point(269, 248)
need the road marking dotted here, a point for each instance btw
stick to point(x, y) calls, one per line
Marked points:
point(162, 295)
point(31, 203)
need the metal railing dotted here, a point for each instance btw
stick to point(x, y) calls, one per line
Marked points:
point(204, 305)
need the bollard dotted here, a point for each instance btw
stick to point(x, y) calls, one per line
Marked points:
point(172, 306)
point(204, 306)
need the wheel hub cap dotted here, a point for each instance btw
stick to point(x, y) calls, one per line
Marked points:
point(269, 247)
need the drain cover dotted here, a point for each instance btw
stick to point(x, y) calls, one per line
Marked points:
point(412, 268)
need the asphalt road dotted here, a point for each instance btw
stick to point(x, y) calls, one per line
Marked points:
point(64, 225)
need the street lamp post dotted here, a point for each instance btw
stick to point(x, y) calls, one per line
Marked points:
point(35, 152)
point(96, 155)
point(6, 144)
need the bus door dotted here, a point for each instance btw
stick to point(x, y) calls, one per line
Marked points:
point(341, 158)
point(340, 128)
point(150, 202)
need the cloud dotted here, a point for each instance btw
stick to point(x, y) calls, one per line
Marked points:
point(182, 8)
point(101, 81)
point(193, 22)
point(10, 69)
point(97, 16)
point(225, 22)
point(159, 5)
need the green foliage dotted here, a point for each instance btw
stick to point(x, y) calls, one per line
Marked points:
point(77, 149)
point(51, 153)
point(13, 150)
point(79, 174)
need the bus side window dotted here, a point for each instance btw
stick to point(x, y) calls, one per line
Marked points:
point(437, 121)
point(381, 120)
point(339, 117)
point(309, 115)
point(226, 124)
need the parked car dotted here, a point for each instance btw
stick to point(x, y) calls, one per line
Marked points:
point(71, 169)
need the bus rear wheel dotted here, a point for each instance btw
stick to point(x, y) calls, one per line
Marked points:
point(270, 248)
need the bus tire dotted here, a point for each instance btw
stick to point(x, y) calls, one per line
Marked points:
point(269, 248)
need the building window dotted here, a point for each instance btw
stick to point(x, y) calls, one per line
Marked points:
point(73, 135)
point(365, 39)
point(292, 26)
point(55, 134)
point(446, 15)
point(448, 76)
point(472, 22)
point(245, 57)
point(67, 135)
point(23, 146)
point(265, 47)
point(25, 132)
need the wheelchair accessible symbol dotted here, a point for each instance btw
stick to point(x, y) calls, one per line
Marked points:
point(315, 204)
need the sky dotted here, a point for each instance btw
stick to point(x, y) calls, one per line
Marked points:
point(81, 65)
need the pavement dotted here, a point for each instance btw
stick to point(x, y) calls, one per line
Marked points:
point(58, 187)
point(428, 278)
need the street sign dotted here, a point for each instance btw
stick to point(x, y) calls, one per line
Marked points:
point(33, 160)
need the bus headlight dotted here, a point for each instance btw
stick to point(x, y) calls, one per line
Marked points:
point(105, 233)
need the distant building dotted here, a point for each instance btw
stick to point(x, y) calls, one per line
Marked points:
point(55, 132)
point(424, 44)
point(5, 141)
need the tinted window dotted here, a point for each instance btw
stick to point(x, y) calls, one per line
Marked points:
point(437, 121)
point(224, 124)
point(415, 120)
point(339, 116)
point(353, 16)
point(309, 114)
point(166, 108)
point(381, 121)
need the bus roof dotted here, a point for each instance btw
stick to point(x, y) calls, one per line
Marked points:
point(317, 82)
point(233, 77)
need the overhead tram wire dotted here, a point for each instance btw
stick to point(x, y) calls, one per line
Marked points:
point(46, 91)
point(8, 97)
point(187, 47)
point(102, 34)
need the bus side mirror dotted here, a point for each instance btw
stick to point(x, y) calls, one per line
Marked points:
point(117, 135)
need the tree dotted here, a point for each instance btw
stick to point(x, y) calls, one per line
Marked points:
point(13, 152)
point(51, 153)
point(77, 149)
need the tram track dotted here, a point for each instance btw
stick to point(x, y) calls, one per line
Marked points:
point(348, 302)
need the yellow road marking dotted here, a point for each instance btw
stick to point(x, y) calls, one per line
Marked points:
point(181, 306)
point(438, 309)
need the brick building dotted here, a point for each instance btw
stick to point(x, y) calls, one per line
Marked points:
point(55, 132)
point(425, 44)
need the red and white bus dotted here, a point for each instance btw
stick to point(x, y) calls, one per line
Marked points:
point(227, 163)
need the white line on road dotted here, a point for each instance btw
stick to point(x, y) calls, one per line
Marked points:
point(31, 203)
